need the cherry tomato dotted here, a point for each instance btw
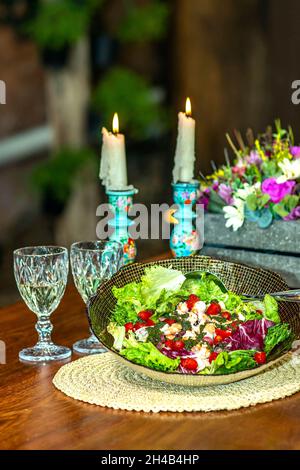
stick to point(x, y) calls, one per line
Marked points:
point(189, 364)
point(169, 321)
point(226, 315)
point(129, 326)
point(178, 345)
point(223, 333)
point(213, 356)
point(169, 344)
point(150, 323)
point(213, 309)
point(260, 357)
point(138, 325)
point(145, 315)
point(191, 301)
point(218, 339)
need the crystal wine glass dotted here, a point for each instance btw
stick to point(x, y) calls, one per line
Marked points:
point(41, 274)
point(92, 263)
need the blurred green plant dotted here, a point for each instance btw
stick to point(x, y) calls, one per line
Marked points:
point(129, 94)
point(60, 23)
point(54, 178)
point(144, 23)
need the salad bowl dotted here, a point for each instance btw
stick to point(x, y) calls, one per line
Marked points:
point(238, 278)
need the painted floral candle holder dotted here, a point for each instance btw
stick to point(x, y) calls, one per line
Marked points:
point(185, 240)
point(121, 202)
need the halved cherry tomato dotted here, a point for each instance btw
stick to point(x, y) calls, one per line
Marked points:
point(129, 326)
point(226, 315)
point(213, 356)
point(191, 301)
point(169, 344)
point(150, 323)
point(260, 357)
point(178, 345)
point(169, 321)
point(145, 315)
point(218, 339)
point(213, 309)
point(189, 364)
point(223, 333)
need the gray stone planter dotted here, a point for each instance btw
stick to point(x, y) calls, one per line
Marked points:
point(276, 248)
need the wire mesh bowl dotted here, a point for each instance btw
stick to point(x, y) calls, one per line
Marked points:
point(238, 278)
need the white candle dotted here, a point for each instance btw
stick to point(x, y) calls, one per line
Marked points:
point(113, 170)
point(185, 149)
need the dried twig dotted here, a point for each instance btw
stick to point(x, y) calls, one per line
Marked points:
point(250, 137)
point(239, 138)
point(232, 145)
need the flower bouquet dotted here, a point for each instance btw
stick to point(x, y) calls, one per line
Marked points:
point(261, 185)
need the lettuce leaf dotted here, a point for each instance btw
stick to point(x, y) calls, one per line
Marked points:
point(271, 311)
point(157, 279)
point(118, 333)
point(146, 354)
point(205, 287)
point(129, 303)
point(230, 362)
point(276, 334)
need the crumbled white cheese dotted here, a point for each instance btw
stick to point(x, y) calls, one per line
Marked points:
point(199, 307)
point(142, 334)
point(182, 308)
point(189, 334)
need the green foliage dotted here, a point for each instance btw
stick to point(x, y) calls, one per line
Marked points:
point(60, 23)
point(216, 203)
point(54, 178)
point(257, 201)
point(285, 207)
point(124, 91)
point(144, 23)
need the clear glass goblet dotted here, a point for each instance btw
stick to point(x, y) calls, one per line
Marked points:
point(41, 274)
point(92, 263)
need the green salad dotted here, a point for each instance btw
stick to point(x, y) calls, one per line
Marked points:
point(170, 322)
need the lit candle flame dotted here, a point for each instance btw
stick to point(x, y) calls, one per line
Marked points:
point(115, 124)
point(188, 107)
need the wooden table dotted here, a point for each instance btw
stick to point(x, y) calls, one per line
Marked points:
point(34, 415)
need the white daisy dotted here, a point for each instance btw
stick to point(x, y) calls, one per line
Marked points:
point(290, 170)
point(235, 214)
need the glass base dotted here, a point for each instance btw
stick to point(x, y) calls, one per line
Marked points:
point(89, 345)
point(45, 353)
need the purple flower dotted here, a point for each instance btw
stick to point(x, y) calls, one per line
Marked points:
point(295, 151)
point(295, 214)
point(277, 191)
point(204, 198)
point(215, 185)
point(254, 158)
point(225, 192)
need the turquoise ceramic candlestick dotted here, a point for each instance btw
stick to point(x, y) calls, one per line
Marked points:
point(185, 238)
point(121, 202)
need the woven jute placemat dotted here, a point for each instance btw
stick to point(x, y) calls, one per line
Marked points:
point(102, 380)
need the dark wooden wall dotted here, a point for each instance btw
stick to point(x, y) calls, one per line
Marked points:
point(237, 60)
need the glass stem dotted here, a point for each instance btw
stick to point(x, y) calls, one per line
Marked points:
point(44, 329)
point(92, 337)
